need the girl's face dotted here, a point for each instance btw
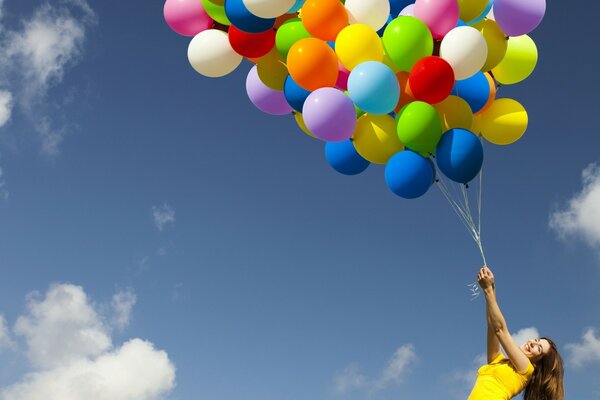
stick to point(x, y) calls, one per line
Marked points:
point(535, 349)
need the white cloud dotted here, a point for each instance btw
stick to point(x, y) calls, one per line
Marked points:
point(3, 191)
point(6, 104)
point(5, 340)
point(73, 357)
point(586, 351)
point(398, 366)
point(122, 304)
point(581, 215)
point(163, 216)
point(525, 334)
point(36, 57)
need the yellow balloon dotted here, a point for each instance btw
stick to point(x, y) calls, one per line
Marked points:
point(375, 138)
point(272, 71)
point(519, 62)
point(504, 122)
point(300, 121)
point(455, 112)
point(496, 40)
point(356, 44)
point(471, 9)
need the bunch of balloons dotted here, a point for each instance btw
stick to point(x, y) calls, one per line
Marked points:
point(402, 83)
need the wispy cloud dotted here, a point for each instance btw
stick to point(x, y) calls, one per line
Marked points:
point(6, 104)
point(36, 57)
point(351, 378)
point(3, 191)
point(585, 352)
point(5, 340)
point(72, 355)
point(581, 215)
point(163, 215)
point(122, 303)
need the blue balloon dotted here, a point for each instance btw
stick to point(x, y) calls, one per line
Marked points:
point(343, 157)
point(244, 20)
point(475, 90)
point(459, 155)
point(294, 94)
point(409, 175)
point(374, 87)
point(396, 6)
point(296, 7)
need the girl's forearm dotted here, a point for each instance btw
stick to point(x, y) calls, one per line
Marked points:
point(494, 316)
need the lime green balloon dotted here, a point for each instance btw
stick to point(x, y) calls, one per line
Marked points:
point(289, 33)
point(406, 40)
point(419, 127)
point(216, 11)
point(519, 61)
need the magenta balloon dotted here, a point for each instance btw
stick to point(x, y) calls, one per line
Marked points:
point(342, 81)
point(187, 17)
point(263, 97)
point(329, 115)
point(441, 16)
point(519, 17)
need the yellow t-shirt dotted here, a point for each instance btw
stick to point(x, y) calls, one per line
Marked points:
point(499, 380)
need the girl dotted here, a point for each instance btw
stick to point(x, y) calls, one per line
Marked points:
point(535, 367)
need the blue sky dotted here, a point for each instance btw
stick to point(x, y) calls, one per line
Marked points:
point(153, 221)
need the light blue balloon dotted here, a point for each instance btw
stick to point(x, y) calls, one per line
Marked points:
point(296, 7)
point(484, 14)
point(409, 175)
point(374, 88)
point(459, 155)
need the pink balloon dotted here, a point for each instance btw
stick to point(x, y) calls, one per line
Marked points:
point(344, 74)
point(187, 17)
point(441, 16)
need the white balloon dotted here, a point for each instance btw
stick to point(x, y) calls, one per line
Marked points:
point(211, 54)
point(269, 8)
point(491, 14)
point(466, 51)
point(408, 11)
point(373, 13)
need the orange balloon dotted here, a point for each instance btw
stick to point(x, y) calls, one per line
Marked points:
point(324, 19)
point(492, 97)
point(313, 64)
point(406, 95)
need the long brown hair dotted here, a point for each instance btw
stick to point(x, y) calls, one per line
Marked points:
point(547, 380)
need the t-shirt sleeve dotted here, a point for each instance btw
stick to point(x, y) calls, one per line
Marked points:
point(528, 372)
point(498, 358)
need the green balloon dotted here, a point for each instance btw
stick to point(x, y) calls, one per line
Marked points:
point(419, 127)
point(289, 33)
point(406, 40)
point(216, 12)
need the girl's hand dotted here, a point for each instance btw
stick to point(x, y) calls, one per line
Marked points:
point(485, 278)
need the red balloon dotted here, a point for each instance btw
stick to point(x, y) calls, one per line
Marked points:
point(251, 45)
point(431, 79)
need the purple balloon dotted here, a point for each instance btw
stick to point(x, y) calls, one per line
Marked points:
point(330, 115)
point(263, 97)
point(519, 17)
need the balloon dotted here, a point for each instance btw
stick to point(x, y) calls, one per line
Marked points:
point(459, 155)
point(419, 127)
point(294, 94)
point(211, 54)
point(289, 33)
point(375, 138)
point(251, 45)
point(496, 42)
point(408, 11)
point(324, 19)
point(186, 17)
point(244, 20)
point(406, 41)
point(518, 17)
point(475, 90)
point(396, 6)
point(431, 79)
point(216, 11)
point(439, 15)
point(471, 9)
point(269, 8)
point(343, 158)
point(343, 75)
point(465, 49)
point(297, 6)
point(329, 114)
point(483, 15)
point(272, 71)
point(356, 44)
point(493, 90)
point(519, 62)
point(264, 98)
point(406, 94)
point(409, 175)
point(374, 88)
point(312, 64)
point(374, 13)
point(504, 122)
point(455, 112)
point(300, 121)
